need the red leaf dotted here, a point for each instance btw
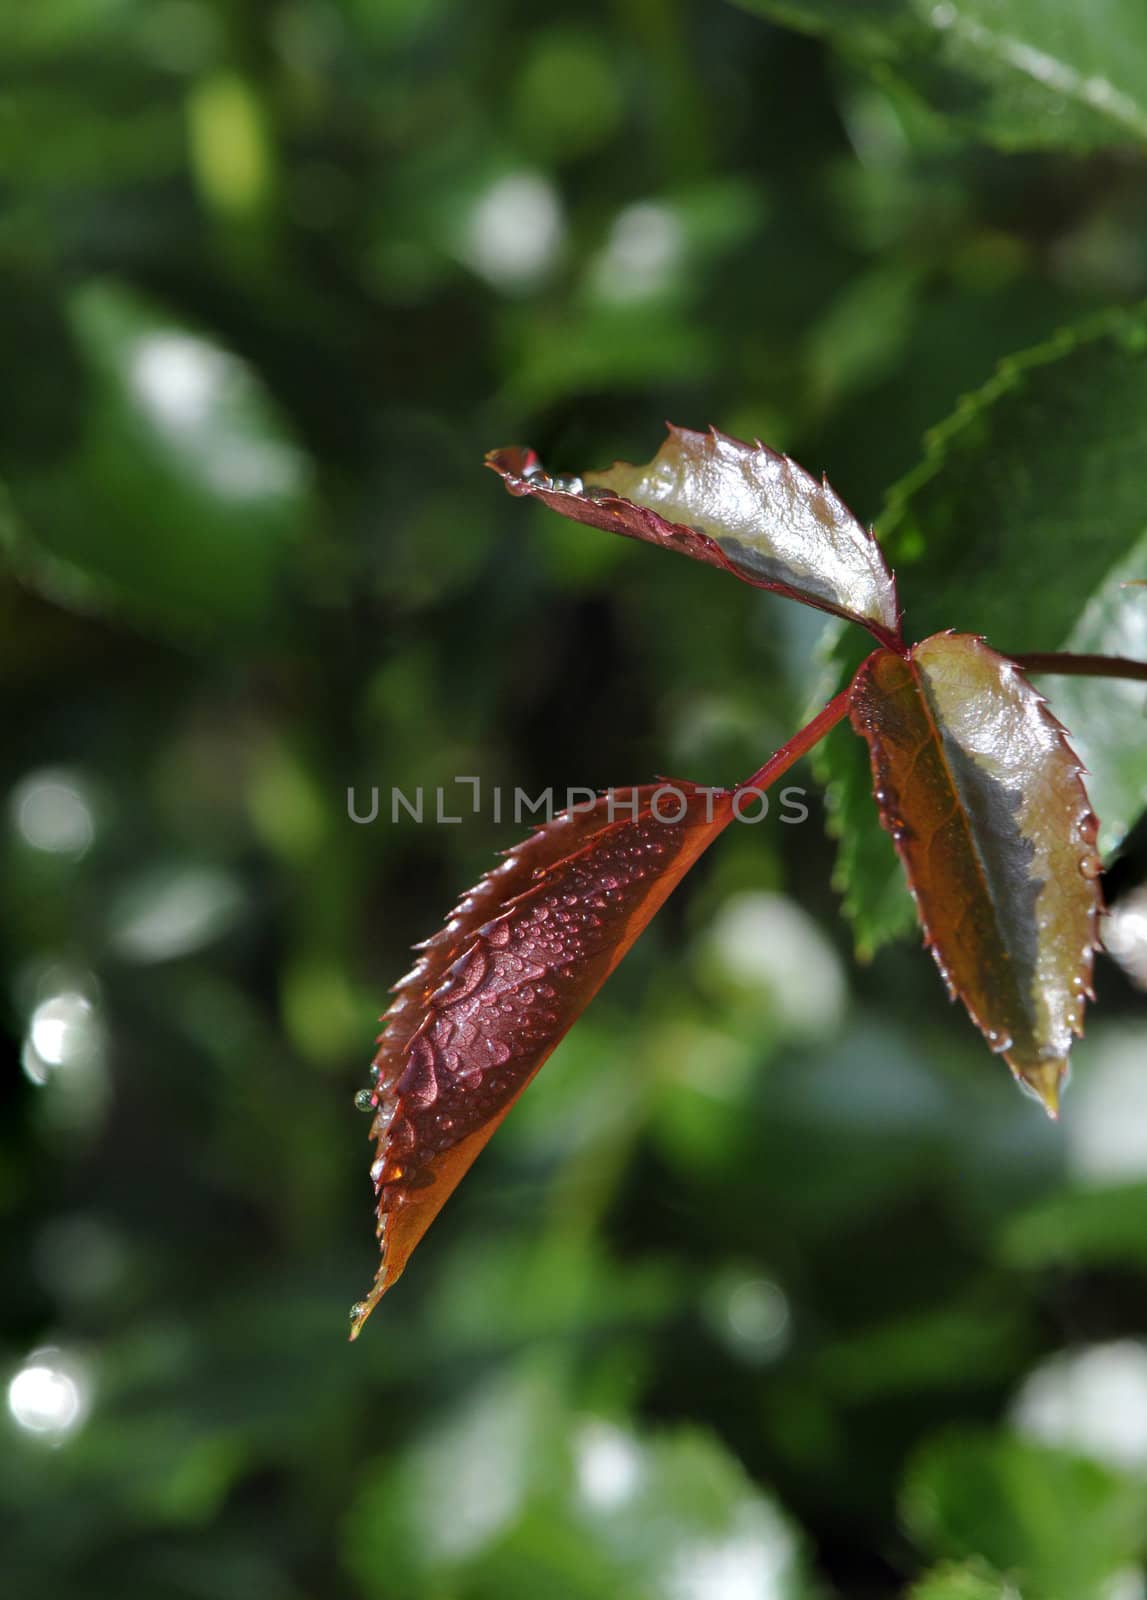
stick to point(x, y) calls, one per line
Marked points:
point(985, 803)
point(736, 506)
point(494, 991)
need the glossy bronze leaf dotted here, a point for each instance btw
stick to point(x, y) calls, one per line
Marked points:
point(985, 802)
point(737, 506)
point(493, 993)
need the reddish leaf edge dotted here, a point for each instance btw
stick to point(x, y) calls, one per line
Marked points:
point(523, 474)
point(415, 992)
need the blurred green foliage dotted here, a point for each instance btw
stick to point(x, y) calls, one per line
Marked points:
point(772, 1286)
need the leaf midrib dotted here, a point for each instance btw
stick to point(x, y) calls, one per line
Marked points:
point(921, 682)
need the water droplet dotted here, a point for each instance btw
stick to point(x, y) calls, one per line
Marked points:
point(401, 1136)
point(364, 1100)
point(463, 977)
point(568, 483)
point(358, 1312)
point(419, 1081)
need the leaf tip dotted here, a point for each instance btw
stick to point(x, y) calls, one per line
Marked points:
point(362, 1309)
point(358, 1315)
point(1043, 1079)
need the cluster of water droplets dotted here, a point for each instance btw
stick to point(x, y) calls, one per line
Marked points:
point(561, 482)
point(498, 1007)
point(382, 1103)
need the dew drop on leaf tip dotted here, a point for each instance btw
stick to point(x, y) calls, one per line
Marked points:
point(364, 1100)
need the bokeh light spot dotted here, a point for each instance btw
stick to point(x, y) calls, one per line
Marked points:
point(609, 1466)
point(644, 246)
point(50, 1396)
point(515, 230)
point(1093, 1401)
point(52, 811)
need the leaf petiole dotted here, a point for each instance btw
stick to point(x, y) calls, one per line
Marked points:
point(800, 744)
point(1065, 664)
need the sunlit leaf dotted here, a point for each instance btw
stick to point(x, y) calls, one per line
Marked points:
point(551, 1500)
point(1106, 715)
point(985, 803)
point(496, 989)
point(182, 499)
point(967, 1581)
point(736, 506)
point(1032, 488)
point(1023, 73)
point(682, 1517)
point(1035, 484)
point(1060, 1525)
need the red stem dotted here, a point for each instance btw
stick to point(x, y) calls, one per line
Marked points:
point(1067, 664)
point(800, 744)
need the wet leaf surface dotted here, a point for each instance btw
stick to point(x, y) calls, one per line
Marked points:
point(985, 803)
point(740, 507)
point(493, 993)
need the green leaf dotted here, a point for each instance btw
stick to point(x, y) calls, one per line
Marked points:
point(181, 498)
point(1060, 1526)
point(1024, 74)
point(1107, 715)
point(517, 1495)
point(1032, 493)
point(868, 877)
point(968, 1581)
point(1027, 512)
point(1078, 1228)
point(961, 1345)
point(692, 1523)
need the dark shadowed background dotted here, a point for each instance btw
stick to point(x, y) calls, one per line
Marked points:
point(773, 1287)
